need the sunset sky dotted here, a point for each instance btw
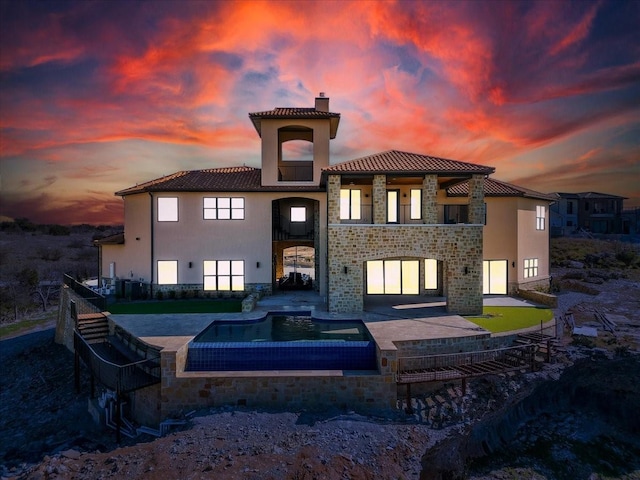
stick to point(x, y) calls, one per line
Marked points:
point(96, 96)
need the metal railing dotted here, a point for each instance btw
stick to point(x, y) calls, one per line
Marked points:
point(447, 214)
point(119, 377)
point(428, 368)
point(295, 173)
point(93, 297)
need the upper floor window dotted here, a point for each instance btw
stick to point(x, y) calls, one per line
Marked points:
point(223, 208)
point(456, 214)
point(350, 204)
point(224, 275)
point(298, 214)
point(167, 209)
point(392, 206)
point(540, 216)
point(530, 267)
point(416, 204)
point(570, 207)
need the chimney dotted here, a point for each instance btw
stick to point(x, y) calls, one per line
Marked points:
point(322, 103)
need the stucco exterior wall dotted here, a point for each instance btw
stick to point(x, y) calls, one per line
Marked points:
point(133, 258)
point(532, 243)
point(191, 239)
point(499, 241)
point(270, 148)
point(459, 247)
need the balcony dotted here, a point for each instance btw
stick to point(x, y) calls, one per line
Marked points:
point(447, 214)
point(295, 171)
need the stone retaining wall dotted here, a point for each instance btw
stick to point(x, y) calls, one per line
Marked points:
point(539, 297)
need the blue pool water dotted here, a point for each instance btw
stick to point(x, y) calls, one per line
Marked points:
point(282, 342)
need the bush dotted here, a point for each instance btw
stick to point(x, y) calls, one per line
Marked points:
point(160, 295)
point(582, 341)
point(628, 257)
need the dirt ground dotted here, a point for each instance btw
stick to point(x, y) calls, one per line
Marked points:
point(47, 432)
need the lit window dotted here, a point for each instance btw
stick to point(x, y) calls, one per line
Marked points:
point(223, 208)
point(430, 273)
point(167, 272)
point(530, 267)
point(392, 206)
point(416, 204)
point(350, 204)
point(224, 275)
point(540, 215)
point(393, 277)
point(167, 209)
point(298, 214)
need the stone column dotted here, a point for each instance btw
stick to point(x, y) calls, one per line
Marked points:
point(379, 199)
point(476, 199)
point(333, 199)
point(429, 199)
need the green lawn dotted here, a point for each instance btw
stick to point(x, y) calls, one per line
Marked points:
point(503, 319)
point(177, 306)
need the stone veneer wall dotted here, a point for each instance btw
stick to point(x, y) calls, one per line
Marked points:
point(182, 391)
point(197, 289)
point(429, 199)
point(476, 199)
point(459, 247)
point(379, 197)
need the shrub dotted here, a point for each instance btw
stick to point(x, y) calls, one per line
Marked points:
point(628, 257)
point(160, 295)
point(582, 341)
point(172, 294)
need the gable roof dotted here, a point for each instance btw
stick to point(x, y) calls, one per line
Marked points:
point(228, 179)
point(397, 162)
point(294, 113)
point(497, 188)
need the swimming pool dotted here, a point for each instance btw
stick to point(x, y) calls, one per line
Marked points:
point(282, 342)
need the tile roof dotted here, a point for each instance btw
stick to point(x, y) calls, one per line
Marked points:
point(115, 239)
point(497, 188)
point(295, 113)
point(394, 161)
point(228, 179)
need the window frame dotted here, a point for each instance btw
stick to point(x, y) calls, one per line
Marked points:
point(162, 215)
point(215, 209)
point(540, 217)
point(393, 211)
point(298, 208)
point(530, 268)
point(160, 269)
point(351, 214)
point(215, 275)
point(399, 266)
point(413, 206)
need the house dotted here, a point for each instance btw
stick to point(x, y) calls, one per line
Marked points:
point(393, 223)
point(590, 211)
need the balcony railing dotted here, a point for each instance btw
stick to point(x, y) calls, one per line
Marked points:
point(295, 173)
point(447, 214)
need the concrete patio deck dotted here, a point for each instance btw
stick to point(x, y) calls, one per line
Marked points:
point(399, 319)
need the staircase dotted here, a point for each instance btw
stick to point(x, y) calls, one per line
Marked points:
point(93, 327)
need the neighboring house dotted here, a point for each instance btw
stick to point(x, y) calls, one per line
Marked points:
point(393, 223)
point(590, 211)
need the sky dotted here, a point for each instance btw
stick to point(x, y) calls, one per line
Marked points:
point(96, 96)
